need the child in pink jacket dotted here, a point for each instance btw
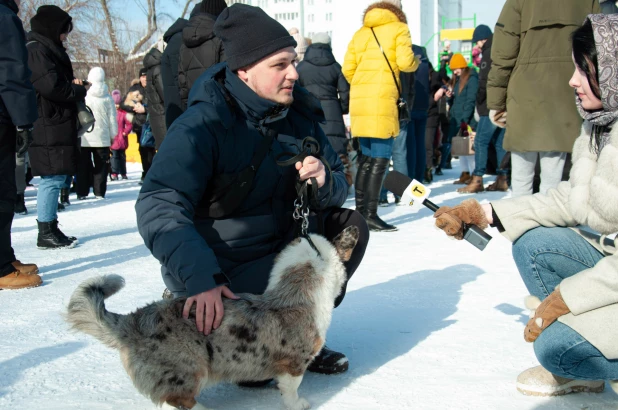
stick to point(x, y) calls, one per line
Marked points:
point(121, 141)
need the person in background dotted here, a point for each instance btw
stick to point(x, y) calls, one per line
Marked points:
point(477, 52)
point(169, 70)
point(486, 132)
point(154, 95)
point(18, 111)
point(374, 91)
point(54, 153)
point(94, 155)
point(462, 100)
point(437, 122)
point(121, 140)
point(200, 48)
point(321, 74)
point(136, 104)
point(527, 84)
point(560, 243)
point(301, 42)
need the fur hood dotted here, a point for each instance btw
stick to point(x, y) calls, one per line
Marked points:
point(381, 13)
point(594, 183)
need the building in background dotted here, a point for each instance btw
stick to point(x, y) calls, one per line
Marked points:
point(341, 18)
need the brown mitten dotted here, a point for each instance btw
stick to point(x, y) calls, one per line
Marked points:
point(547, 313)
point(451, 220)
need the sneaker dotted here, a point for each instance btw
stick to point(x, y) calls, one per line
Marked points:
point(18, 280)
point(329, 362)
point(113, 177)
point(20, 205)
point(383, 202)
point(99, 197)
point(124, 177)
point(25, 268)
point(537, 381)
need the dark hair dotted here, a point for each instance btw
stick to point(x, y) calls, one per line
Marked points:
point(67, 28)
point(586, 58)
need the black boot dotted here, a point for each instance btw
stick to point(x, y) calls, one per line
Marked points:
point(60, 233)
point(360, 185)
point(64, 197)
point(374, 185)
point(49, 239)
point(20, 205)
point(329, 362)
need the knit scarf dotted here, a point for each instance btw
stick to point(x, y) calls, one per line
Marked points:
point(605, 29)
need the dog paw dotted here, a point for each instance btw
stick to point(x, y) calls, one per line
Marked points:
point(300, 404)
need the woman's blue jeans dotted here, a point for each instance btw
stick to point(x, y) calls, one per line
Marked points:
point(487, 133)
point(377, 147)
point(48, 194)
point(544, 257)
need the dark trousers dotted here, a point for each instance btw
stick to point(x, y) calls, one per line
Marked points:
point(147, 155)
point(93, 170)
point(119, 161)
point(8, 192)
point(253, 277)
point(415, 143)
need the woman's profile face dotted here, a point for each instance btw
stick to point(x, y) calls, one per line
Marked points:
point(580, 83)
point(457, 72)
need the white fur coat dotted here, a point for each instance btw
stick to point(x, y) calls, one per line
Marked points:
point(589, 198)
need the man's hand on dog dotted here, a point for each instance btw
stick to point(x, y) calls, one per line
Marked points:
point(208, 309)
point(312, 167)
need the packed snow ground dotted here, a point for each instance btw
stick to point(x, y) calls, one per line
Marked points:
point(427, 323)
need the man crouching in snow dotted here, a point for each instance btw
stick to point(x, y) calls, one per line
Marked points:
point(209, 248)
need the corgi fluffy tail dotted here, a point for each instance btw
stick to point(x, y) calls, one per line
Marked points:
point(87, 313)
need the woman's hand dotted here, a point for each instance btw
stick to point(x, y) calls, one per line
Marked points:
point(452, 220)
point(547, 313)
point(438, 94)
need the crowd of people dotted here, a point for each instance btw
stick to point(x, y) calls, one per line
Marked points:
point(237, 117)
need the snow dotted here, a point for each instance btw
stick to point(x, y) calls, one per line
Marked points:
point(427, 323)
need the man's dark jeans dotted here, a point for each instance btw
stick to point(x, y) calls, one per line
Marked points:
point(8, 193)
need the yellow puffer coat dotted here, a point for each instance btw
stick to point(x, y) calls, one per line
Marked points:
point(373, 93)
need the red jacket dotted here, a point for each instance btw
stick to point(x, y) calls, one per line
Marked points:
point(121, 141)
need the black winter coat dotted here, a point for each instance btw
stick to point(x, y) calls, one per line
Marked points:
point(481, 95)
point(199, 51)
point(214, 137)
point(154, 95)
point(17, 97)
point(55, 148)
point(169, 71)
point(433, 113)
point(321, 74)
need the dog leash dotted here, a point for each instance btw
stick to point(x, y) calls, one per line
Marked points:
point(306, 194)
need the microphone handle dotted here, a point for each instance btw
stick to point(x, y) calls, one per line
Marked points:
point(431, 205)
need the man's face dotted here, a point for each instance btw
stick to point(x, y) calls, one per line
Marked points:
point(143, 79)
point(273, 77)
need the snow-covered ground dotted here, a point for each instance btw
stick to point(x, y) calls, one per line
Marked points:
point(427, 323)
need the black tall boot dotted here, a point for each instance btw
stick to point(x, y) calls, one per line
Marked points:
point(374, 185)
point(49, 239)
point(360, 185)
point(60, 233)
point(64, 197)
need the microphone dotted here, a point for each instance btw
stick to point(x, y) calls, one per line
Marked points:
point(412, 192)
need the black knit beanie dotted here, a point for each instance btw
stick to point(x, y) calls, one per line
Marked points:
point(214, 7)
point(249, 34)
point(51, 21)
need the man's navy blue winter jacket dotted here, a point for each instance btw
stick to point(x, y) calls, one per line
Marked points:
point(216, 137)
point(17, 97)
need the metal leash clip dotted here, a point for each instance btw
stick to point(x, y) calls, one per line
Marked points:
point(301, 212)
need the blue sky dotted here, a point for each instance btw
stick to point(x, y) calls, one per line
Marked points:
point(487, 10)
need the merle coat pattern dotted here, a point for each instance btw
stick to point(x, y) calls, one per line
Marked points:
point(274, 335)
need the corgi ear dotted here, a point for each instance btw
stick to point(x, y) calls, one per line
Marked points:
point(345, 242)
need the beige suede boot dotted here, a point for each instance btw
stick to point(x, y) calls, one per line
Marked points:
point(537, 381)
point(475, 186)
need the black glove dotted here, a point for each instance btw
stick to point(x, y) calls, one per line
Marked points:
point(24, 139)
